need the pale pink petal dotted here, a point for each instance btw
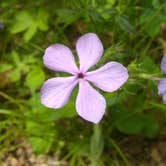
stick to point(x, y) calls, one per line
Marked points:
point(90, 104)
point(110, 77)
point(56, 91)
point(89, 49)
point(163, 64)
point(58, 57)
point(162, 86)
point(164, 98)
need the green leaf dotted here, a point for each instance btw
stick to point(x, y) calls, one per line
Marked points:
point(5, 66)
point(35, 78)
point(147, 64)
point(135, 123)
point(150, 22)
point(66, 16)
point(151, 127)
point(41, 136)
point(153, 28)
point(22, 21)
point(96, 16)
point(30, 32)
point(46, 114)
point(42, 20)
point(30, 22)
point(15, 57)
point(127, 121)
point(124, 24)
point(40, 145)
point(15, 75)
point(6, 112)
point(156, 4)
point(34, 128)
point(114, 98)
point(131, 125)
point(67, 111)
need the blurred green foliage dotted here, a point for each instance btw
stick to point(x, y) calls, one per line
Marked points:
point(132, 32)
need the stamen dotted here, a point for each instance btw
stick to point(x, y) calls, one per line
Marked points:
point(80, 75)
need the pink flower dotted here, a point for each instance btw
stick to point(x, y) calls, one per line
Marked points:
point(90, 104)
point(162, 81)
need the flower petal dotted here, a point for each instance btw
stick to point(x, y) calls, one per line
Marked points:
point(58, 57)
point(163, 64)
point(162, 86)
point(56, 91)
point(89, 49)
point(90, 104)
point(164, 98)
point(110, 77)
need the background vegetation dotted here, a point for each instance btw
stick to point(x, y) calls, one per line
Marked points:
point(132, 32)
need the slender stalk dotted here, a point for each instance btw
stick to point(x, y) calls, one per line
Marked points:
point(121, 154)
point(11, 99)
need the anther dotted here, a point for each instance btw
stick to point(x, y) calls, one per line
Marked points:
point(80, 75)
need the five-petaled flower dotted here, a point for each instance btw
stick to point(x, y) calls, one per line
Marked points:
point(90, 104)
point(162, 82)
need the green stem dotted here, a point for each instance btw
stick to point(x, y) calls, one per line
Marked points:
point(11, 99)
point(146, 76)
point(36, 47)
point(121, 154)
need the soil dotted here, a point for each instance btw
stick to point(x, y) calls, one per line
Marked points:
point(25, 157)
point(139, 152)
point(144, 152)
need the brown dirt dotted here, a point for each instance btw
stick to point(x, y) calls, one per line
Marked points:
point(139, 152)
point(145, 152)
point(24, 157)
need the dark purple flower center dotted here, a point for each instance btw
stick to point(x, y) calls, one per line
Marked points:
point(80, 75)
